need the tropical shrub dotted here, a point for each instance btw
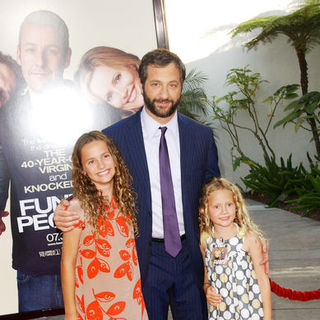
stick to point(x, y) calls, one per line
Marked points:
point(276, 182)
point(301, 111)
point(193, 101)
point(302, 29)
point(243, 99)
point(308, 191)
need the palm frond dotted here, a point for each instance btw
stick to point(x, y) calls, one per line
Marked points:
point(302, 27)
point(194, 101)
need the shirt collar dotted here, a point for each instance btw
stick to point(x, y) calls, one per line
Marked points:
point(151, 126)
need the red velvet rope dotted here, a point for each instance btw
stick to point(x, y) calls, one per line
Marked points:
point(293, 294)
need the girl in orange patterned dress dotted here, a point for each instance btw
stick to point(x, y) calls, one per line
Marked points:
point(99, 266)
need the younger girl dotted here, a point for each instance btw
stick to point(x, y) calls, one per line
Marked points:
point(99, 266)
point(231, 248)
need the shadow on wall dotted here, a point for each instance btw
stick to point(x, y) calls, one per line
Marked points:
point(277, 63)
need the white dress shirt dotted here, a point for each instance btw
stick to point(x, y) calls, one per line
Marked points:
point(151, 137)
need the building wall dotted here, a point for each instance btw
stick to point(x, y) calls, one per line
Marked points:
point(199, 32)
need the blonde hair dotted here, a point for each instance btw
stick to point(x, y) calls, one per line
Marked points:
point(242, 218)
point(103, 56)
point(90, 197)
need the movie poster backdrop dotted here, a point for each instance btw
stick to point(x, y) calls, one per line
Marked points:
point(74, 58)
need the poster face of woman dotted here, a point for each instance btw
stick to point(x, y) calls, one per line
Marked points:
point(109, 75)
point(74, 69)
point(121, 88)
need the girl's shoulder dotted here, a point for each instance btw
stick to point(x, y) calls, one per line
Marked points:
point(204, 236)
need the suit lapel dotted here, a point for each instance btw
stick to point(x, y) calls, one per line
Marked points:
point(135, 141)
point(185, 156)
point(137, 154)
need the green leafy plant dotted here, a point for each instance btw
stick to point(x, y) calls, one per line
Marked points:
point(243, 99)
point(310, 201)
point(276, 182)
point(308, 190)
point(193, 101)
point(302, 29)
point(301, 111)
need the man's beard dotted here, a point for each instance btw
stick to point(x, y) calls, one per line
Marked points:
point(151, 106)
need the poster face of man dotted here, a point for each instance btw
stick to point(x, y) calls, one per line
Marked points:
point(41, 56)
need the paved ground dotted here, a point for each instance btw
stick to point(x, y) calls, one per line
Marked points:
point(294, 259)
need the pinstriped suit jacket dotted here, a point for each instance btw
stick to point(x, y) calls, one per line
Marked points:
point(199, 162)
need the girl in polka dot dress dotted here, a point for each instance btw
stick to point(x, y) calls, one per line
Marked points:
point(232, 252)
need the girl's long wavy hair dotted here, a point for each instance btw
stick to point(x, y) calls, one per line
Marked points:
point(90, 197)
point(242, 218)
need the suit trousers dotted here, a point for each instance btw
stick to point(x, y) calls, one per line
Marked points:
point(171, 282)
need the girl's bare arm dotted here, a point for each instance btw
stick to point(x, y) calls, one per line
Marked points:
point(254, 247)
point(68, 264)
point(212, 297)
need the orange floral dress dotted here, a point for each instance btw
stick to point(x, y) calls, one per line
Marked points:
point(107, 274)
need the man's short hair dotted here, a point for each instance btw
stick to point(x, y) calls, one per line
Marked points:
point(50, 19)
point(160, 57)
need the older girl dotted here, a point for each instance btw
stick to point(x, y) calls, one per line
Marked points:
point(99, 267)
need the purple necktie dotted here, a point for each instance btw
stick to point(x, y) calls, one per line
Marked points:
point(172, 241)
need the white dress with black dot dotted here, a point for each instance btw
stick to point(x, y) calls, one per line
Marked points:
point(235, 280)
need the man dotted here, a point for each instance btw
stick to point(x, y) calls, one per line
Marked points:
point(167, 279)
point(176, 278)
point(10, 79)
point(38, 164)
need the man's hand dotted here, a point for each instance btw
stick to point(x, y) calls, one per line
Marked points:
point(2, 225)
point(64, 220)
point(265, 252)
point(212, 297)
